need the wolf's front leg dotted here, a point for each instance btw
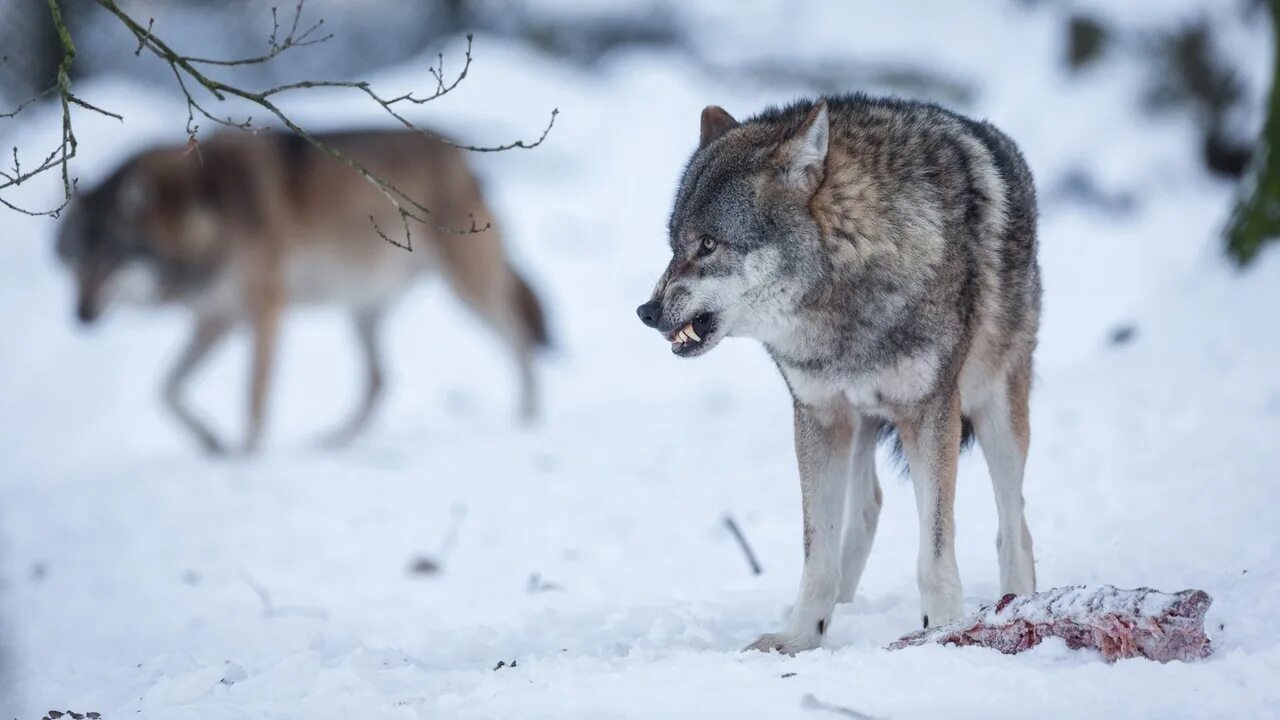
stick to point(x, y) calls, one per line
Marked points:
point(931, 439)
point(268, 304)
point(823, 440)
point(862, 509)
point(210, 330)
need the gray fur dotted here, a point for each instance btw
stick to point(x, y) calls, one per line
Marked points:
point(884, 252)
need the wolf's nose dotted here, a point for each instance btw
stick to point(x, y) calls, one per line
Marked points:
point(648, 313)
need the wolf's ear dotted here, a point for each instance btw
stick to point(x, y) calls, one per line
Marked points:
point(804, 156)
point(716, 121)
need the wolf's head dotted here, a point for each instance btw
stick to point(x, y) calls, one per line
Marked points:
point(144, 235)
point(745, 247)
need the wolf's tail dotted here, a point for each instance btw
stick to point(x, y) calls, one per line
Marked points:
point(530, 313)
point(888, 432)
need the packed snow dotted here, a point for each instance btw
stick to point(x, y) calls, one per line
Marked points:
point(582, 567)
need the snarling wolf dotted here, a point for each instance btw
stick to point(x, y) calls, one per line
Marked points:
point(884, 252)
point(249, 224)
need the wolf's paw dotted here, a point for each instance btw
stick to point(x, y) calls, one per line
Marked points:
point(784, 643)
point(212, 446)
point(940, 613)
point(334, 440)
point(249, 448)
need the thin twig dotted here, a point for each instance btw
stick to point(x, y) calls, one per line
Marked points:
point(61, 156)
point(151, 22)
point(742, 543)
point(457, 514)
point(269, 610)
point(809, 702)
point(29, 101)
point(188, 75)
point(427, 565)
point(275, 46)
point(407, 208)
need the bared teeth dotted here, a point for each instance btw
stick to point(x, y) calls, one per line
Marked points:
point(685, 335)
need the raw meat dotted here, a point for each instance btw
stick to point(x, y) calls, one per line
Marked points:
point(1118, 623)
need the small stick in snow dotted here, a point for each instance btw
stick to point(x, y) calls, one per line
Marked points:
point(1118, 623)
point(812, 703)
point(427, 565)
point(457, 514)
point(537, 585)
point(270, 610)
point(742, 542)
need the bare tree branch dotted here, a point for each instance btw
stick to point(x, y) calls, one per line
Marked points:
point(189, 74)
point(60, 157)
point(275, 46)
point(29, 101)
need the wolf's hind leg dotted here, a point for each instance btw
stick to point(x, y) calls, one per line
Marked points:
point(1004, 432)
point(501, 316)
point(497, 305)
point(209, 331)
point(862, 511)
point(367, 322)
point(823, 441)
point(525, 331)
point(529, 400)
point(931, 439)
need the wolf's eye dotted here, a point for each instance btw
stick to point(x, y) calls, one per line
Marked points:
point(706, 246)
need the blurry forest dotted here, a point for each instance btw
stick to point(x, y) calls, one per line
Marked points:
point(1189, 71)
point(408, 573)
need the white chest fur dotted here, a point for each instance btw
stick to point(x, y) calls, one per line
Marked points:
point(904, 382)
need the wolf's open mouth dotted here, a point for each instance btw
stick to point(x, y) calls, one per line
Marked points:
point(691, 336)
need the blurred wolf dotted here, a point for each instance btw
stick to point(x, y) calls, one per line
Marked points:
point(884, 252)
point(249, 224)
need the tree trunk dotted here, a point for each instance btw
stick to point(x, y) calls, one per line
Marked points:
point(1256, 219)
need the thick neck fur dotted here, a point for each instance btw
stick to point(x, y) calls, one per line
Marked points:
point(867, 272)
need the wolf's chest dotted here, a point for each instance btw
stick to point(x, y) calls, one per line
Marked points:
point(325, 276)
point(873, 392)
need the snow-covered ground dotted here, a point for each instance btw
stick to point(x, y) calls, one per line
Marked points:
point(589, 555)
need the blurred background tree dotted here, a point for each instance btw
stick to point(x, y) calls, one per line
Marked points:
point(1256, 219)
